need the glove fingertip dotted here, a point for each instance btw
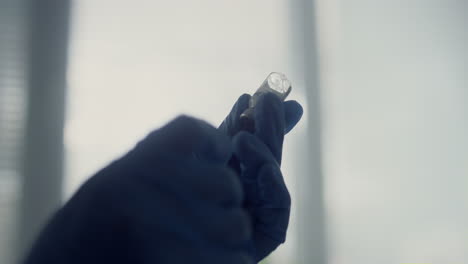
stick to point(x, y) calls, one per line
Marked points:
point(243, 99)
point(293, 112)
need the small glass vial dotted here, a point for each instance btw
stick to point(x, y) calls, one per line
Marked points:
point(276, 83)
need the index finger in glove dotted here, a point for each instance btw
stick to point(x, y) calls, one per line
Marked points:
point(270, 123)
point(274, 119)
point(292, 114)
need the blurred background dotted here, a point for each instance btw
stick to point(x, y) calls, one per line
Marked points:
point(377, 168)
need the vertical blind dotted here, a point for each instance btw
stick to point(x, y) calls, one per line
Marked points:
point(33, 41)
point(12, 117)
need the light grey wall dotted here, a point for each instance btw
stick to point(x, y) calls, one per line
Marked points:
point(396, 110)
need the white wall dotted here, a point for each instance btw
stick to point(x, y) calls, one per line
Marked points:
point(396, 131)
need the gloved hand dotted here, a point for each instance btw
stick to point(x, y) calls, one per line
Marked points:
point(257, 160)
point(172, 199)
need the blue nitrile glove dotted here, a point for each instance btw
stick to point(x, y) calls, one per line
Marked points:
point(257, 160)
point(172, 199)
